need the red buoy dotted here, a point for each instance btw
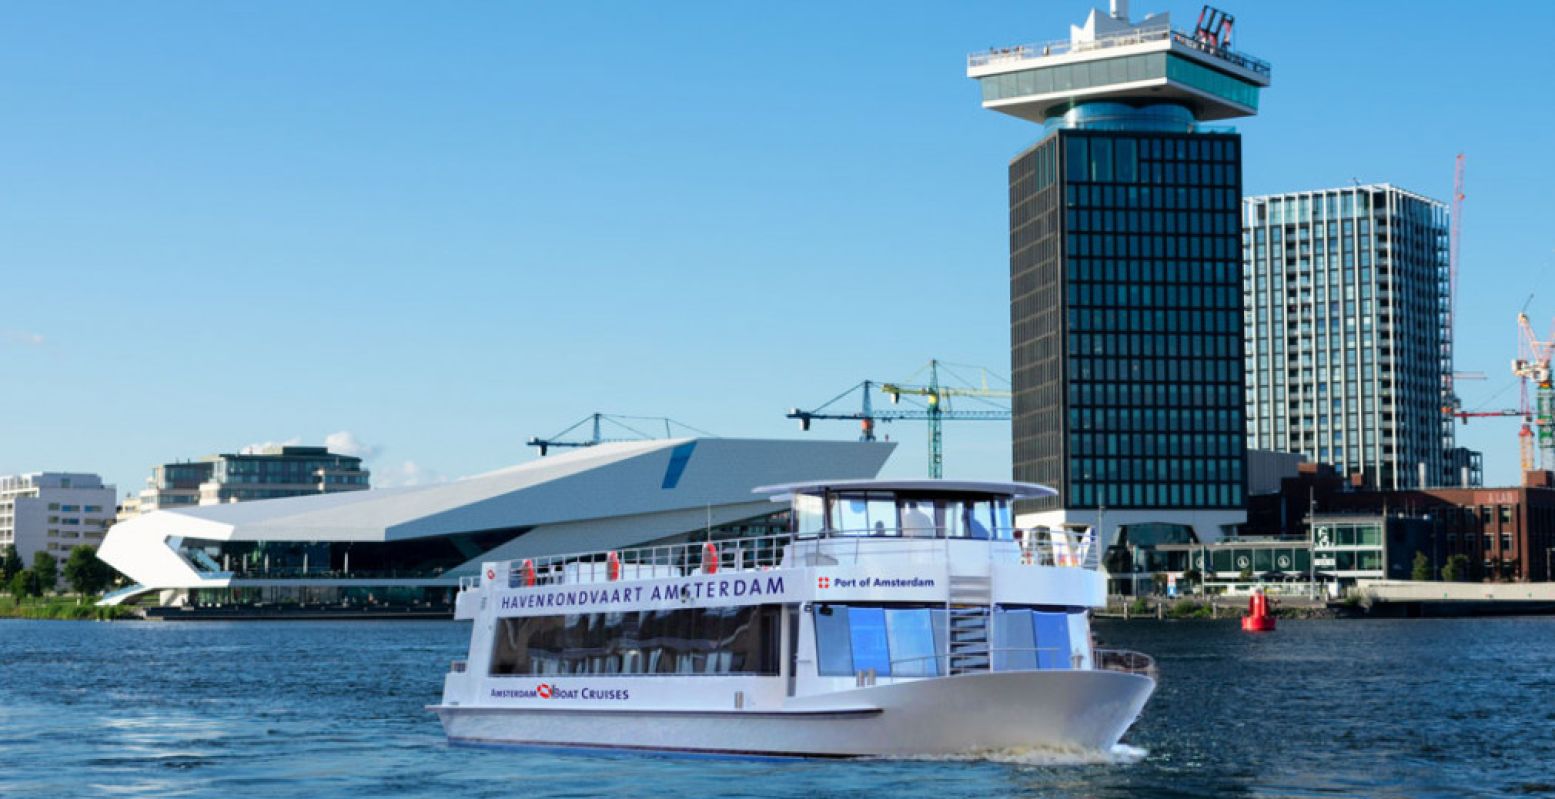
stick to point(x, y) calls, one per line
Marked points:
point(613, 567)
point(709, 558)
point(1258, 619)
point(529, 572)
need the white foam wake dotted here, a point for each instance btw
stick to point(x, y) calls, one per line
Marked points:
point(1120, 755)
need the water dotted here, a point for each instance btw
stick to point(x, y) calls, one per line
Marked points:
point(1407, 708)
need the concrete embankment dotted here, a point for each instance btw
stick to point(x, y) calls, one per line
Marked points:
point(1210, 608)
point(1418, 599)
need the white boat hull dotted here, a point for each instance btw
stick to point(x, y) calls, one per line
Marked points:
point(1069, 710)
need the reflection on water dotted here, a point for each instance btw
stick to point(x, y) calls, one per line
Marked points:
point(1360, 708)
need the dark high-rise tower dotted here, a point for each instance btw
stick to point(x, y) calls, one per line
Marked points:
point(1125, 273)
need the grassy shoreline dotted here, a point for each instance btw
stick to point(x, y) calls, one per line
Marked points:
point(62, 608)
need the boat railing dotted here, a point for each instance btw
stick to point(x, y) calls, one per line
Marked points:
point(1126, 661)
point(1030, 547)
point(458, 666)
point(1147, 32)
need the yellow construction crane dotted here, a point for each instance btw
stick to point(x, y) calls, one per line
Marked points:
point(1533, 363)
point(935, 410)
point(937, 397)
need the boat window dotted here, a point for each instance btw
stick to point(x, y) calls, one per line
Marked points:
point(1014, 640)
point(912, 642)
point(834, 648)
point(917, 518)
point(882, 515)
point(852, 514)
point(1030, 639)
point(1001, 519)
point(809, 514)
point(952, 519)
point(730, 640)
point(866, 514)
point(903, 642)
point(988, 519)
point(871, 647)
point(1052, 636)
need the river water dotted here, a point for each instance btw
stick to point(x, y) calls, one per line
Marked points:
point(1405, 708)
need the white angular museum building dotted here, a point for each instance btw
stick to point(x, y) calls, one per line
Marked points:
point(410, 546)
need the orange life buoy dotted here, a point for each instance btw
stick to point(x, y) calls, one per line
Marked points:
point(529, 572)
point(613, 567)
point(709, 558)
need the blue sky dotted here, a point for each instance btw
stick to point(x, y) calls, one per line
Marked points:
point(443, 228)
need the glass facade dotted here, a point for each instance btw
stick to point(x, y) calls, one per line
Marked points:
point(1348, 338)
point(1126, 319)
point(1112, 71)
point(431, 556)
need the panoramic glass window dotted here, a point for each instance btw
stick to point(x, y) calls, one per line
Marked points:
point(729, 640)
point(901, 642)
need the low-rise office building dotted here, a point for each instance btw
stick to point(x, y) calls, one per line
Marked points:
point(269, 472)
point(54, 512)
point(1504, 534)
point(1340, 550)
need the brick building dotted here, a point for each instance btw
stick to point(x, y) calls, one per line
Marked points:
point(1507, 534)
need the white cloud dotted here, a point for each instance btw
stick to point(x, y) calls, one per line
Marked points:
point(24, 338)
point(345, 442)
point(254, 449)
point(408, 473)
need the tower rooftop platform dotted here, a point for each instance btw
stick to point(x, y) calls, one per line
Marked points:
point(1112, 60)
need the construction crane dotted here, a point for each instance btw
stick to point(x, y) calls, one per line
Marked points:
point(935, 408)
point(1533, 363)
point(558, 441)
point(1449, 392)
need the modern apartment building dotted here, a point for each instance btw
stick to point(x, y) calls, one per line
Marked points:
point(53, 512)
point(1349, 347)
point(268, 473)
point(1126, 340)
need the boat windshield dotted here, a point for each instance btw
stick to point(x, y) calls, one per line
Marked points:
point(889, 514)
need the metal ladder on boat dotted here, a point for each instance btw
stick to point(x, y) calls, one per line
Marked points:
point(967, 619)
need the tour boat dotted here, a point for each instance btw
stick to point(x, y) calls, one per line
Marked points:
point(895, 618)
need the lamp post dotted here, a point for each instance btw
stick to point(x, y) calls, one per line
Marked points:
point(1311, 543)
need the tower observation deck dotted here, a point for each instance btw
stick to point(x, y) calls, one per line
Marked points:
point(1129, 65)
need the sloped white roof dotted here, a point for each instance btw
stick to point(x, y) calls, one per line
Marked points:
point(608, 482)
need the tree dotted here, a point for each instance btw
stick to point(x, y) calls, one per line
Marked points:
point(1422, 568)
point(10, 563)
point(1456, 569)
point(24, 584)
point(47, 570)
point(85, 573)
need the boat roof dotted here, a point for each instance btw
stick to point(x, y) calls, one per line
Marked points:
point(1015, 490)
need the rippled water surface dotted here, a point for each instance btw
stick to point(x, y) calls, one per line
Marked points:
point(258, 709)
